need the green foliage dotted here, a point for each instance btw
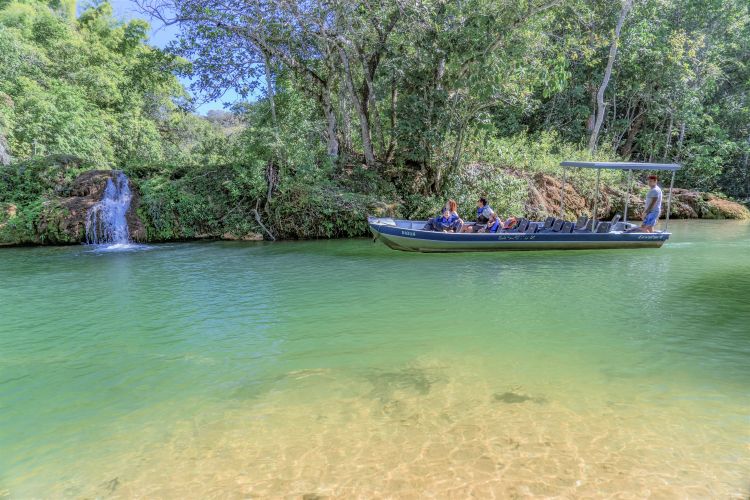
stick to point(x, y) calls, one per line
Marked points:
point(21, 228)
point(28, 191)
point(89, 87)
point(39, 179)
point(324, 210)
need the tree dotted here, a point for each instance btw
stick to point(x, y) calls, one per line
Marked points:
point(626, 6)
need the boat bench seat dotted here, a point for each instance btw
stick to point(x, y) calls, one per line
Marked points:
point(586, 227)
point(522, 225)
point(581, 223)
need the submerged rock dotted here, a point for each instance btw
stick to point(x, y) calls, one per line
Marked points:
point(111, 485)
point(515, 397)
point(412, 380)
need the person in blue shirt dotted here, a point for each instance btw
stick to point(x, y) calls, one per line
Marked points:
point(484, 216)
point(493, 225)
point(496, 224)
point(448, 220)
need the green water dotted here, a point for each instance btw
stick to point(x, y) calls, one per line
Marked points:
point(344, 368)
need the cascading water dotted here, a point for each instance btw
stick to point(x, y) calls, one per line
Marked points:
point(105, 222)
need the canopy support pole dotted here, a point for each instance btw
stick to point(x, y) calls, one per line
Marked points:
point(627, 200)
point(596, 200)
point(669, 202)
point(562, 193)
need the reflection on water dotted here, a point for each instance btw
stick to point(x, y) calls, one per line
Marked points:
point(338, 369)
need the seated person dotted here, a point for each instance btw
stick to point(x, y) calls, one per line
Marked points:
point(510, 223)
point(494, 224)
point(484, 213)
point(497, 224)
point(448, 221)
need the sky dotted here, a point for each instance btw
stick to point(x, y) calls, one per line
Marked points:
point(160, 37)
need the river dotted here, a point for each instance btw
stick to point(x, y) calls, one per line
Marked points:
point(343, 368)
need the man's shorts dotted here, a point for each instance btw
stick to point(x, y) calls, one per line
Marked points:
point(651, 219)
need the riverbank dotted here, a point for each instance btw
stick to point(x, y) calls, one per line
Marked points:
point(49, 198)
point(45, 202)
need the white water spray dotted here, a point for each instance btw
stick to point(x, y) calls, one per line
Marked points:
point(105, 222)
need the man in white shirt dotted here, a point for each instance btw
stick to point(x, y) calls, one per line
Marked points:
point(652, 209)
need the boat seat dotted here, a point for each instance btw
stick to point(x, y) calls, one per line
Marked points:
point(532, 228)
point(548, 222)
point(557, 226)
point(616, 219)
point(522, 225)
point(603, 227)
point(581, 222)
point(567, 227)
point(586, 227)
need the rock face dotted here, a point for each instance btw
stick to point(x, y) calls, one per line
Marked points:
point(244, 237)
point(545, 194)
point(544, 198)
point(63, 219)
point(694, 204)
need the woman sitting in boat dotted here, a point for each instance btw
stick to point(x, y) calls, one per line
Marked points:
point(448, 221)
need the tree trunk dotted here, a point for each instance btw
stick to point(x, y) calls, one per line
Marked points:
point(272, 171)
point(601, 106)
point(668, 144)
point(361, 107)
point(346, 124)
point(458, 148)
point(270, 91)
point(331, 132)
point(437, 85)
point(635, 127)
point(392, 138)
point(372, 106)
point(272, 180)
point(681, 138)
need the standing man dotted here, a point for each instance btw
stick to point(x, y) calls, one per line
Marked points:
point(652, 209)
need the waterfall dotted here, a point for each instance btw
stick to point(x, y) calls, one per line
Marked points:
point(105, 222)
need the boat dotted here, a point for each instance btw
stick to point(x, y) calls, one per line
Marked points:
point(551, 234)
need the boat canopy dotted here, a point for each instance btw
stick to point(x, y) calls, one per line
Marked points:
point(622, 165)
point(618, 165)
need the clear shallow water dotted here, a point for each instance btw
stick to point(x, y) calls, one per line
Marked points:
point(344, 368)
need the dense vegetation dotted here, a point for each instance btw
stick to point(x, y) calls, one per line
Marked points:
point(362, 106)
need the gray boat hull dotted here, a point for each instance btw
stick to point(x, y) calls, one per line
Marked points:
point(408, 236)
